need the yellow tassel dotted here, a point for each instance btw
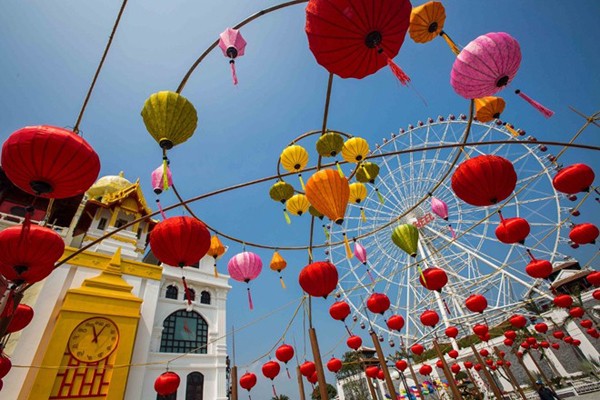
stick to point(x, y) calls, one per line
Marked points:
point(421, 273)
point(339, 168)
point(310, 253)
point(282, 282)
point(362, 215)
point(379, 196)
point(216, 272)
point(451, 43)
point(165, 176)
point(326, 232)
point(287, 217)
point(301, 181)
point(349, 254)
point(511, 130)
point(366, 172)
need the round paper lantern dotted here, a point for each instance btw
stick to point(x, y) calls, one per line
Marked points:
point(486, 65)
point(484, 352)
point(541, 327)
point(329, 144)
point(334, 365)
point(425, 369)
point(329, 193)
point(319, 279)
point(170, 118)
point(480, 329)
point(544, 344)
point(433, 278)
point(478, 367)
point(594, 278)
point(568, 340)
point(576, 342)
point(372, 371)
point(518, 321)
point(406, 237)
point(354, 342)
point(489, 108)
point(355, 150)
point(508, 342)
point(180, 241)
point(307, 368)
point(297, 204)
point(28, 253)
point(378, 303)
point(248, 381)
point(593, 333)
point(476, 303)
point(358, 192)
point(281, 191)
point(430, 318)
point(50, 162)
point(563, 301)
point(159, 181)
point(367, 172)
point(558, 335)
point(455, 368)
point(512, 230)
point(395, 322)
point(401, 365)
point(596, 294)
point(360, 252)
point(453, 353)
point(500, 363)
point(486, 337)
point(439, 208)
point(451, 332)
point(555, 346)
point(313, 378)
point(417, 349)
point(339, 310)
point(576, 312)
point(21, 317)
point(352, 39)
point(468, 364)
point(584, 233)
point(439, 364)
point(539, 269)
point(167, 383)
point(531, 340)
point(510, 334)
point(271, 369)
point(284, 353)
point(244, 267)
point(574, 179)
point(484, 180)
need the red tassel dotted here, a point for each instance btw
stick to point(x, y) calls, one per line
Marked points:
point(162, 213)
point(397, 71)
point(188, 295)
point(446, 306)
point(546, 112)
point(250, 304)
point(233, 73)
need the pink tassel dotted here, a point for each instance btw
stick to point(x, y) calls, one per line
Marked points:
point(446, 306)
point(452, 232)
point(250, 304)
point(233, 73)
point(371, 276)
point(397, 71)
point(162, 213)
point(546, 112)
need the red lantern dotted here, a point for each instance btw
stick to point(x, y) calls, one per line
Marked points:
point(468, 364)
point(380, 374)
point(167, 383)
point(507, 363)
point(439, 364)
point(334, 365)
point(519, 354)
point(313, 378)
point(563, 301)
point(584, 233)
point(594, 278)
point(489, 362)
point(284, 353)
point(586, 323)
point(500, 363)
point(510, 335)
point(574, 179)
point(451, 332)
point(512, 230)
point(525, 345)
point(455, 368)
point(453, 353)
point(568, 340)
point(478, 367)
point(555, 346)
point(531, 340)
point(28, 252)
point(425, 369)
point(430, 318)
point(339, 310)
point(596, 293)
point(372, 371)
point(401, 365)
point(486, 337)
point(576, 312)
point(480, 329)
point(319, 279)
point(180, 241)
point(21, 317)
point(417, 349)
point(576, 342)
point(540, 269)
point(484, 180)
point(558, 335)
point(593, 333)
point(541, 327)
point(354, 342)
point(395, 322)
point(518, 321)
point(352, 39)
point(248, 381)
point(476, 303)
point(271, 369)
point(307, 369)
point(508, 342)
point(378, 303)
point(484, 352)
point(435, 278)
point(544, 344)
point(50, 162)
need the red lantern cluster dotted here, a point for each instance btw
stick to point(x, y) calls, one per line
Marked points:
point(433, 278)
point(378, 303)
point(539, 269)
point(180, 241)
point(319, 279)
point(584, 233)
point(476, 303)
point(167, 383)
point(574, 179)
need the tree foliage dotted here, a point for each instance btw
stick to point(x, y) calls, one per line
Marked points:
point(331, 393)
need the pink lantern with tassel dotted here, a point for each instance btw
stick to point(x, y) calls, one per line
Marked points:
point(244, 267)
point(232, 44)
point(440, 208)
point(361, 255)
point(161, 182)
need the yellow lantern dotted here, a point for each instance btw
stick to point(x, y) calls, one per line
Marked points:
point(330, 144)
point(216, 250)
point(278, 264)
point(282, 192)
point(427, 22)
point(406, 237)
point(294, 159)
point(367, 172)
point(355, 150)
point(358, 192)
point(489, 108)
point(170, 118)
point(297, 204)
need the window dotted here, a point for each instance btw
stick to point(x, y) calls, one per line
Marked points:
point(205, 297)
point(192, 294)
point(120, 222)
point(172, 292)
point(184, 331)
point(172, 396)
point(195, 386)
point(102, 223)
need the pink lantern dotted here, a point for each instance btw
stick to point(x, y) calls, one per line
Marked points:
point(244, 267)
point(232, 44)
point(440, 208)
point(360, 252)
point(161, 182)
point(486, 65)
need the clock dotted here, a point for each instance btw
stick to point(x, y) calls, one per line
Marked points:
point(93, 339)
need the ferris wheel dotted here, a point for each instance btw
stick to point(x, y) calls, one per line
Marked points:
point(414, 165)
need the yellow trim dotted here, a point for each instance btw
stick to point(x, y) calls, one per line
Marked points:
point(113, 217)
point(116, 237)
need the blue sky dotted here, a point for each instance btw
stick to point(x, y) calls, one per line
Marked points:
point(50, 51)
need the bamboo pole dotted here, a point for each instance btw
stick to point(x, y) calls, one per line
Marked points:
point(474, 383)
point(455, 393)
point(488, 376)
point(511, 377)
point(300, 383)
point(384, 367)
point(371, 388)
point(234, 383)
point(531, 379)
point(314, 344)
point(544, 377)
point(414, 376)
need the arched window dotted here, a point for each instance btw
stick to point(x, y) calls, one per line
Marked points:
point(195, 386)
point(172, 292)
point(205, 297)
point(172, 396)
point(192, 294)
point(184, 331)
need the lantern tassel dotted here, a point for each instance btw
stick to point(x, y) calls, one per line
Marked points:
point(546, 112)
point(446, 306)
point(165, 177)
point(362, 215)
point(347, 329)
point(452, 231)
point(287, 217)
point(421, 274)
point(233, 73)
point(282, 282)
point(365, 171)
point(310, 253)
point(349, 254)
point(188, 294)
point(370, 275)
point(379, 196)
point(397, 71)
point(301, 181)
point(250, 303)
point(327, 236)
point(274, 392)
point(26, 222)
point(339, 168)
point(215, 269)
point(162, 213)
point(450, 42)
point(288, 372)
point(512, 130)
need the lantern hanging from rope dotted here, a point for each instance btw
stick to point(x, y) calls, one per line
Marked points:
point(539, 269)
point(574, 179)
point(489, 108)
point(282, 192)
point(358, 193)
point(429, 318)
point(232, 44)
point(518, 321)
point(427, 22)
point(216, 251)
point(417, 349)
point(330, 145)
point(395, 322)
point(361, 255)
point(339, 310)
point(406, 237)
point(160, 180)
point(167, 383)
point(563, 301)
point(284, 354)
point(19, 317)
point(440, 208)
point(354, 342)
point(451, 332)
point(319, 279)
point(270, 370)
point(355, 150)
point(248, 381)
point(297, 204)
point(244, 267)
point(585, 233)
point(378, 303)
point(512, 230)
point(334, 365)
point(294, 159)
point(476, 303)
point(594, 278)
point(433, 278)
point(367, 172)
point(278, 264)
point(352, 39)
point(307, 368)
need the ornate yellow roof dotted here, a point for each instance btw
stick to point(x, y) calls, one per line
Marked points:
point(125, 196)
point(107, 185)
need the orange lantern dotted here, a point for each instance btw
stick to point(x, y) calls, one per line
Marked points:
point(278, 264)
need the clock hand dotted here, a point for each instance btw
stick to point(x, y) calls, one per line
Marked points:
point(95, 340)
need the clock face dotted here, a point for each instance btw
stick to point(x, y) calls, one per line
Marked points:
point(93, 339)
